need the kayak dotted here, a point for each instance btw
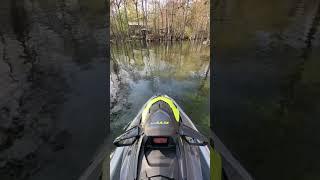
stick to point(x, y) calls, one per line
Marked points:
point(162, 143)
point(159, 146)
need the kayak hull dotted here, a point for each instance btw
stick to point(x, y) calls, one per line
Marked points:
point(117, 158)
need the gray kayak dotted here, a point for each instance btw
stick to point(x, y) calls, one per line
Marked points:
point(104, 166)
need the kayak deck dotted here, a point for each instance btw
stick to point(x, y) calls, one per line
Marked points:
point(105, 167)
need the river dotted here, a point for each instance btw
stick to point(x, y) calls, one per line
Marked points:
point(53, 87)
point(266, 89)
point(180, 70)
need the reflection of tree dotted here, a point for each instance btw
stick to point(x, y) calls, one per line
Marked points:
point(174, 57)
point(295, 77)
point(21, 23)
point(296, 8)
point(204, 80)
point(155, 63)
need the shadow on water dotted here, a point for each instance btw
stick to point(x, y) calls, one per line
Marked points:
point(267, 87)
point(180, 70)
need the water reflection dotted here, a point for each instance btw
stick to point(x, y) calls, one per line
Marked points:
point(180, 70)
point(52, 87)
point(267, 89)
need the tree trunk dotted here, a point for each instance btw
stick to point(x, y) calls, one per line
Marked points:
point(171, 27)
point(137, 13)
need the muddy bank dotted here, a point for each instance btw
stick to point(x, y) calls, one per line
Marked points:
point(44, 46)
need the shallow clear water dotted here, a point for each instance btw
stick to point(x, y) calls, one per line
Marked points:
point(180, 70)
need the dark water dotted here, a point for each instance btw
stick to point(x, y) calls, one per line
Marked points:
point(180, 70)
point(53, 87)
point(267, 85)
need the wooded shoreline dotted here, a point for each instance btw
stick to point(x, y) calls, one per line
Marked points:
point(167, 20)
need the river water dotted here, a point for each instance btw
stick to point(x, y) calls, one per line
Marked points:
point(266, 89)
point(180, 70)
point(53, 87)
